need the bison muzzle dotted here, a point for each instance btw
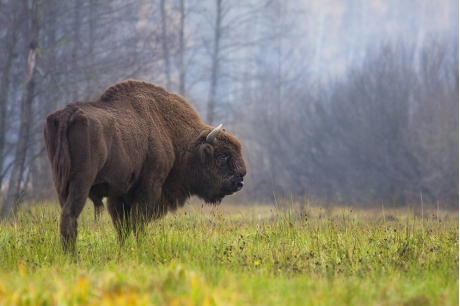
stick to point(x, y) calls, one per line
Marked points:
point(143, 148)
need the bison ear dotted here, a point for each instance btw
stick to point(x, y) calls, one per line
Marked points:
point(204, 150)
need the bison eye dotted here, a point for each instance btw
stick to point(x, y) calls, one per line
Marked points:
point(222, 158)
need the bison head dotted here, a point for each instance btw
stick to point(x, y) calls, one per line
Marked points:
point(221, 166)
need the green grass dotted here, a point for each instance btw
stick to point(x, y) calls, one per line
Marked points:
point(235, 255)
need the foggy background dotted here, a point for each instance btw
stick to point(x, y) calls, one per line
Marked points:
point(347, 101)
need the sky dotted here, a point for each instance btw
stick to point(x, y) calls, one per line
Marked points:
point(342, 30)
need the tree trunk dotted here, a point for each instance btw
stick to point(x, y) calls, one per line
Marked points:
point(215, 64)
point(75, 50)
point(164, 44)
point(181, 49)
point(4, 86)
point(14, 187)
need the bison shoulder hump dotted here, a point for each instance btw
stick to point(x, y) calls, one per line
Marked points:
point(124, 88)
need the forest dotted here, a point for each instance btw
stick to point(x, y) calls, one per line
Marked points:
point(350, 102)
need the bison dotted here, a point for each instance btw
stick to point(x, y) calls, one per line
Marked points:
point(143, 148)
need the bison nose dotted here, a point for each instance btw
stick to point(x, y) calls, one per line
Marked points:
point(239, 184)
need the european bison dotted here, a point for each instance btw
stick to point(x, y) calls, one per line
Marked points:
point(143, 148)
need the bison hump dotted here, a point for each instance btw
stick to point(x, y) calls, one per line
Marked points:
point(127, 88)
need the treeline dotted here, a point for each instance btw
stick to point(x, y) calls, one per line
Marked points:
point(387, 130)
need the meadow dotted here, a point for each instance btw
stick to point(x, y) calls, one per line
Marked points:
point(236, 255)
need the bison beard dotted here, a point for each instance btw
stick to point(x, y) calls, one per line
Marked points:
point(143, 148)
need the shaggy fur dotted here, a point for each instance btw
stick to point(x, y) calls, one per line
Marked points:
point(144, 149)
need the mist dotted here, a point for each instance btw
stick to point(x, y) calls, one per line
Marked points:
point(350, 102)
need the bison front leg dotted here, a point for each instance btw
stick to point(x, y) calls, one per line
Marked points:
point(141, 216)
point(120, 212)
point(98, 206)
point(146, 206)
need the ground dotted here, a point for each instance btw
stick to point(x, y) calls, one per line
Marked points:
point(291, 254)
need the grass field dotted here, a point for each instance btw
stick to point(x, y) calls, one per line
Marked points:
point(236, 255)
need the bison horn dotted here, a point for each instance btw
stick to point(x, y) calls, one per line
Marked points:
point(211, 136)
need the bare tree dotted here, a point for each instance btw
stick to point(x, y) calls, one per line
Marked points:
point(14, 187)
point(181, 55)
point(215, 61)
point(434, 123)
point(164, 44)
point(7, 58)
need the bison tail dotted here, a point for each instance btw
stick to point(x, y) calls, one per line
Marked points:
point(61, 159)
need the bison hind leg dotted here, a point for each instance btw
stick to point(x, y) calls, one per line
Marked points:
point(68, 229)
point(74, 204)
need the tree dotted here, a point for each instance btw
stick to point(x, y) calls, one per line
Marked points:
point(16, 178)
point(215, 62)
point(434, 124)
point(228, 46)
point(164, 44)
point(181, 53)
point(10, 38)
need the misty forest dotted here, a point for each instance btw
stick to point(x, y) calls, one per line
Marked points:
point(351, 102)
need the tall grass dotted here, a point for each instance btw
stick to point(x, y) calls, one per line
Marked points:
point(235, 255)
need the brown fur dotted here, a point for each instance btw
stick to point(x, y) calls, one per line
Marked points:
point(142, 147)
